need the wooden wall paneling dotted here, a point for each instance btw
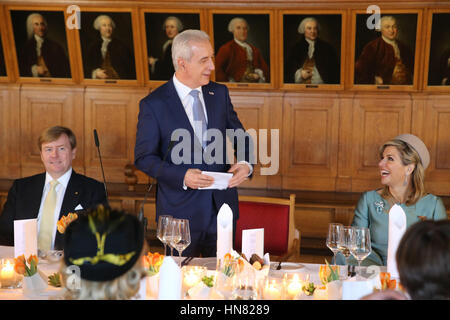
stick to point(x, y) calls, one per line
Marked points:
point(253, 110)
point(13, 46)
point(345, 152)
point(436, 133)
point(375, 120)
point(311, 127)
point(241, 12)
point(9, 131)
point(43, 106)
point(388, 10)
point(113, 113)
point(343, 54)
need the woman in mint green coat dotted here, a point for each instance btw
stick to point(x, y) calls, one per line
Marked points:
point(402, 167)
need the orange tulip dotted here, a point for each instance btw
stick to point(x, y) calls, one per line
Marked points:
point(21, 259)
point(33, 258)
point(324, 272)
point(19, 266)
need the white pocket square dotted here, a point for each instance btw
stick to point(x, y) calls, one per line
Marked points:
point(79, 207)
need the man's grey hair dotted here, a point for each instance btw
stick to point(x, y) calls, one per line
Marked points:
point(30, 31)
point(301, 26)
point(97, 20)
point(178, 23)
point(384, 18)
point(233, 22)
point(182, 44)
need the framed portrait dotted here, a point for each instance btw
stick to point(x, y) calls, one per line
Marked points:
point(41, 45)
point(107, 43)
point(386, 57)
point(3, 73)
point(312, 50)
point(437, 63)
point(160, 29)
point(243, 48)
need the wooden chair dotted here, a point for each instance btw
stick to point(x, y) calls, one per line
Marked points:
point(276, 216)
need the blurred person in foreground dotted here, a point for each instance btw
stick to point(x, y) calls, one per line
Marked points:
point(107, 246)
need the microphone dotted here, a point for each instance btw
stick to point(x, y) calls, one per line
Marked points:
point(97, 144)
point(141, 211)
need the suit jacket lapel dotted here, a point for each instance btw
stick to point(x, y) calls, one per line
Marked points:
point(35, 196)
point(178, 113)
point(71, 196)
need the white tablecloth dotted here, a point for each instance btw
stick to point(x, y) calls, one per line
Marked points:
point(52, 292)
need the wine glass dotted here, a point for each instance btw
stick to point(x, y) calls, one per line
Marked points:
point(181, 235)
point(334, 230)
point(360, 246)
point(163, 222)
point(171, 235)
point(345, 241)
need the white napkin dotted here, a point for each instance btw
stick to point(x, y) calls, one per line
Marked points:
point(397, 227)
point(25, 237)
point(224, 231)
point(169, 280)
point(353, 289)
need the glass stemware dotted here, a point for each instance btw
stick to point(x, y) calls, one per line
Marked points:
point(345, 241)
point(181, 236)
point(163, 222)
point(360, 246)
point(333, 235)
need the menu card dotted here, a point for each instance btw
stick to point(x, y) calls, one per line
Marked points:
point(25, 237)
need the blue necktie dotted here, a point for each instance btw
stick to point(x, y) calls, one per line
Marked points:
point(199, 118)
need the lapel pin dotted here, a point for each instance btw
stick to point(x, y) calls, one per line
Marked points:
point(211, 93)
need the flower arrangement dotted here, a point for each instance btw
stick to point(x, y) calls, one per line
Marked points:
point(231, 264)
point(65, 221)
point(152, 262)
point(328, 273)
point(386, 282)
point(21, 267)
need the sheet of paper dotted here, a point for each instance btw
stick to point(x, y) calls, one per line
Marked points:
point(25, 237)
point(221, 180)
point(253, 242)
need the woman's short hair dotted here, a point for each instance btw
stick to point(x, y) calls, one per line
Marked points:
point(30, 30)
point(408, 156)
point(97, 20)
point(178, 23)
point(301, 26)
point(181, 45)
point(233, 22)
point(53, 133)
point(423, 257)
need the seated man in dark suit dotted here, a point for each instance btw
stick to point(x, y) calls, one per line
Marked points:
point(50, 195)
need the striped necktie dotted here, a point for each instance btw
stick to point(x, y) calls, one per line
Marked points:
point(199, 118)
point(48, 219)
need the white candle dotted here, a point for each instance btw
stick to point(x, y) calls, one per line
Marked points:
point(7, 274)
point(191, 279)
point(271, 292)
point(293, 286)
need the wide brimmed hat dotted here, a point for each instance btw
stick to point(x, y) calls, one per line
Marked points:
point(103, 243)
point(418, 145)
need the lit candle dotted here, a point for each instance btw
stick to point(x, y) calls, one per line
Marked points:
point(271, 291)
point(7, 274)
point(294, 287)
point(191, 279)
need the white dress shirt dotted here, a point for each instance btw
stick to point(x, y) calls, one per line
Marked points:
point(60, 191)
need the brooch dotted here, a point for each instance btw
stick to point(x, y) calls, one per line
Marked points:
point(379, 205)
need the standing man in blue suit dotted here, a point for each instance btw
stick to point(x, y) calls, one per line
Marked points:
point(191, 102)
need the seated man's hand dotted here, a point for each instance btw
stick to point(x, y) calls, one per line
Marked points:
point(240, 174)
point(194, 179)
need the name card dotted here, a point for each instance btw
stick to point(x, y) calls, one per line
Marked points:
point(253, 242)
point(25, 237)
